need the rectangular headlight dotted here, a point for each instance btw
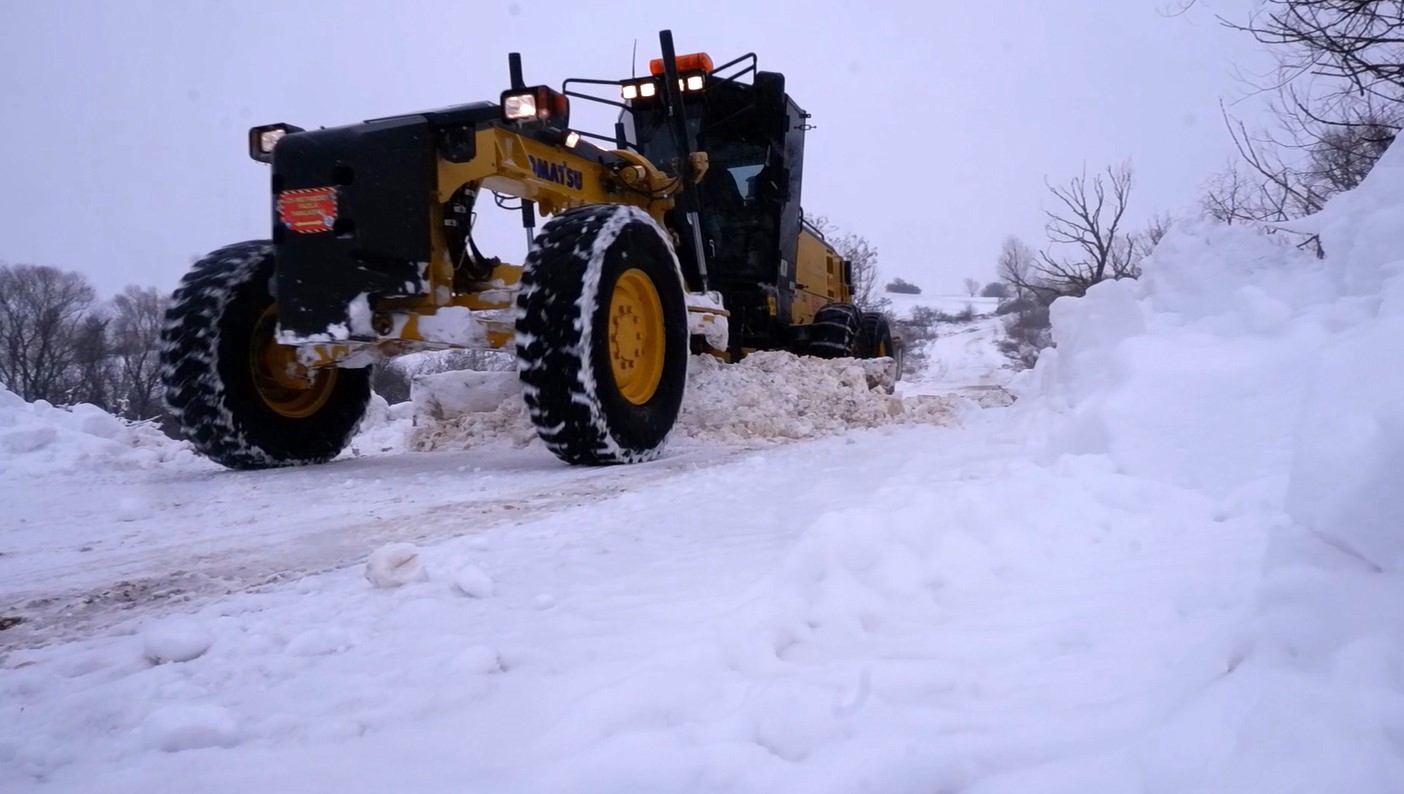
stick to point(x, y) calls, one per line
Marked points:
point(538, 103)
point(263, 139)
point(519, 107)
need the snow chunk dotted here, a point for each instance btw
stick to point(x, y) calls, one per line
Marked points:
point(448, 394)
point(395, 564)
point(320, 641)
point(176, 640)
point(472, 581)
point(478, 659)
point(190, 726)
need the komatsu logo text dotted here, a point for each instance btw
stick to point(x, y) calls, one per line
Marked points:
point(560, 173)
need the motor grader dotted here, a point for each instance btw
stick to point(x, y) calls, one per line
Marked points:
point(681, 235)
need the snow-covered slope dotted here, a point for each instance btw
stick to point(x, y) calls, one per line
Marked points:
point(1173, 565)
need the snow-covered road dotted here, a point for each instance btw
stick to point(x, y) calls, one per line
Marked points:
point(180, 537)
point(764, 623)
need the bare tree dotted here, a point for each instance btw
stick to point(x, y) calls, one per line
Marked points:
point(93, 378)
point(863, 256)
point(972, 287)
point(41, 316)
point(1015, 265)
point(135, 333)
point(1087, 220)
point(1335, 99)
point(1228, 196)
point(1358, 44)
point(1144, 241)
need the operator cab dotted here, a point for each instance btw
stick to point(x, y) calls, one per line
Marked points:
point(753, 134)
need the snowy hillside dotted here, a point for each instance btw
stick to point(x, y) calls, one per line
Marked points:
point(1174, 564)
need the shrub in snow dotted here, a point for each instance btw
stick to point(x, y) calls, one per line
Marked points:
point(394, 565)
point(902, 287)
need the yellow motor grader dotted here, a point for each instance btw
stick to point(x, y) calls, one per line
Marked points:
point(682, 234)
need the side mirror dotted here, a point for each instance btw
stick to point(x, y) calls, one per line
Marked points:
point(770, 101)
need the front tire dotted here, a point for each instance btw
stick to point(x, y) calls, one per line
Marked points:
point(602, 338)
point(240, 398)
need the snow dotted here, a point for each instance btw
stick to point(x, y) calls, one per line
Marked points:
point(176, 640)
point(40, 440)
point(395, 565)
point(473, 582)
point(767, 398)
point(1172, 565)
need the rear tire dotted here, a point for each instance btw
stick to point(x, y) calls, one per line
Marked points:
point(834, 331)
point(217, 354)
point(875, 341)
point(874, 336)
point(602, 338)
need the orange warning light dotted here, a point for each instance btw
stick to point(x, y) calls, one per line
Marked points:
point(696, 62)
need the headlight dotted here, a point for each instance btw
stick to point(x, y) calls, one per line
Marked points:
point(267, 140)
point(539, 103)
point(263, 139)
point(629, 91)
point(522, 106)
point(648, 89)
point(695, 82)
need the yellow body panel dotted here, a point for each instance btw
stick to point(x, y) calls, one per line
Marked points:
point(556, 179)
point(818, 277)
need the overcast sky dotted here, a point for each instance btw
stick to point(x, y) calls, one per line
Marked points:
point(123, 151)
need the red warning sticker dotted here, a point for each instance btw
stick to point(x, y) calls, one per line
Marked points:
point(308, 210)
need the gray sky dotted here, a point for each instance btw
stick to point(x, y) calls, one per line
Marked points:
point(123, 151)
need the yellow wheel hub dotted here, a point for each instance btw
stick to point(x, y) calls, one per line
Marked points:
point(282, 382)
point(636, 336)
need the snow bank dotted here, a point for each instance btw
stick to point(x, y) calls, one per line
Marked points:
point(1271, 381)
point(768, 397)
point(38, 439)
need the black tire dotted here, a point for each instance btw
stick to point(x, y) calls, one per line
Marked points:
point(208, 370)
point(875, 341)
point(874, 337)
point(563, 346)
point(834, 332)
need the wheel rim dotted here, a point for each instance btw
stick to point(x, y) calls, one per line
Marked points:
point(286, 386)
point(636, 336)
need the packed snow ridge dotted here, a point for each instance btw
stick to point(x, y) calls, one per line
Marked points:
point(38, 439)
point(766, 398)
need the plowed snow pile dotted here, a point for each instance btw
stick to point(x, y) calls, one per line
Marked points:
point(39, 439)
point(767, 398)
